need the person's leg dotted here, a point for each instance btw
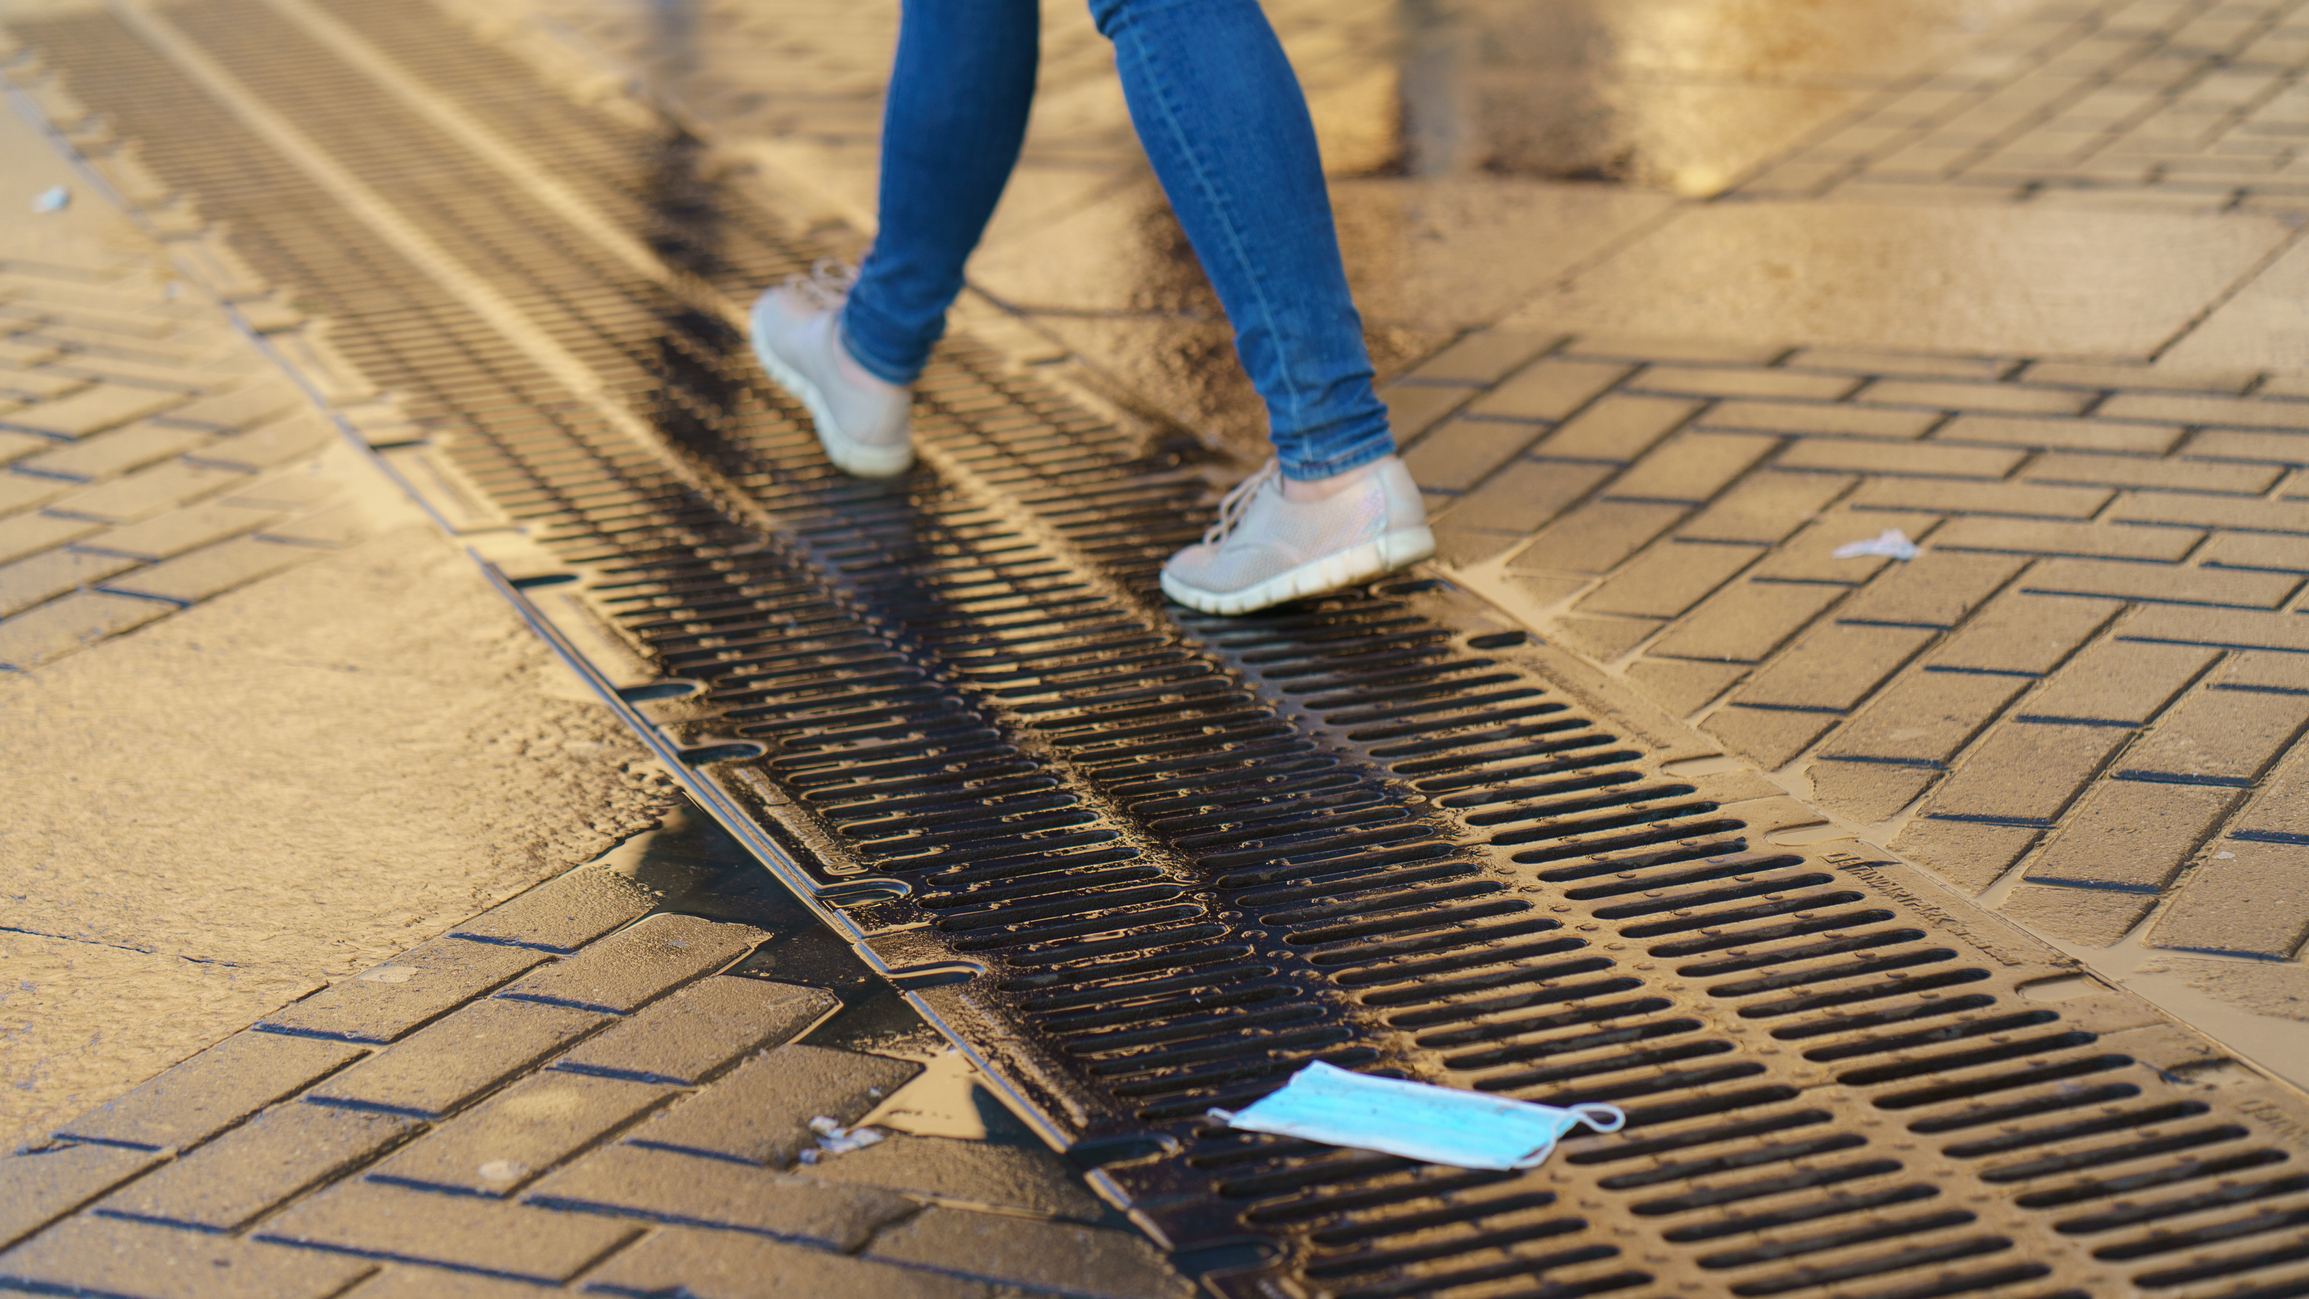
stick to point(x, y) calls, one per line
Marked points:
point(1224, 123)
point(951, 128)
point(849, 349)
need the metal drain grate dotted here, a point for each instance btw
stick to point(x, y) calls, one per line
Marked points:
point(1144, 864)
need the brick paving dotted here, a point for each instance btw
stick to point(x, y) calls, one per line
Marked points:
point(2091, 675)
point(149, 460)
point(594, 1085)
point(2189, 104)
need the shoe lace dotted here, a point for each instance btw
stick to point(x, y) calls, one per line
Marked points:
point(1237, 502)
point(827, 285)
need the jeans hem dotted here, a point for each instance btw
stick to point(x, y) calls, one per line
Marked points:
point(873, 365)
point(1354, 458)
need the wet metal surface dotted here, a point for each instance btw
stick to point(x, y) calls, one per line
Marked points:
point(1142, 863)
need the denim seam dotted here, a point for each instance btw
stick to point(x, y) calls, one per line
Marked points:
point(1351, 460)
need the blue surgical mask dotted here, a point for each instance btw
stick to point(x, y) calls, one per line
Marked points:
point(1436, 1125)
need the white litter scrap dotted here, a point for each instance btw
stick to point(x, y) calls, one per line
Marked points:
point(1891, 543)
point(834, 1139)
point(1436, 1125)
point(52, 200)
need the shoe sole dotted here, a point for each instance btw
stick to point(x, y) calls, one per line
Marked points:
point(1333, 572)
point(855, 458)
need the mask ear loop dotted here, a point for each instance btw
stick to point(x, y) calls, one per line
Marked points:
point(1594, 1115)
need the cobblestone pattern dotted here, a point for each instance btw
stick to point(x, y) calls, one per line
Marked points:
point(2088, 682)
point(571, 1090)
point(147, 460)
point(2196, 104)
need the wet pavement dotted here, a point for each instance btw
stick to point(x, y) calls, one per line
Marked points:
point(1672, 302)
point(1986, 233)
point(197, 818)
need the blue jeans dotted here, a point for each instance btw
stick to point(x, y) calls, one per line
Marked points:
point(1222, 119)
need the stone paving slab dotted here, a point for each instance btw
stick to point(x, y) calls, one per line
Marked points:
point(228, 1183)
point(585, 907)
point(962, 1174)
point(72, 622)
point(536, 1123)
point(106, 1256)
point(671, 1187)
point(469, 1051)
point(700, 1030)
point(1064, 1258)
point(761, 1112)
point(39, 1186)
point(373, 1220)
point(481, 1150)
point(731, 1265)
point(416, 987)
point(212, 1091)
point(394, 1281)
point(1957, 279)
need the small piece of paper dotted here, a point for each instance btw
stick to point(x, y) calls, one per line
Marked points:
point(1891, 543)
point(52, 200)
point(834, 1139)
point(1436, 1125)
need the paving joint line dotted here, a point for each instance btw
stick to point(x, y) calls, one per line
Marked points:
point(121, 947)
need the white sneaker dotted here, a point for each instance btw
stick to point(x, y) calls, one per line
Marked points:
point(861, 419)
point(1265, 549)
